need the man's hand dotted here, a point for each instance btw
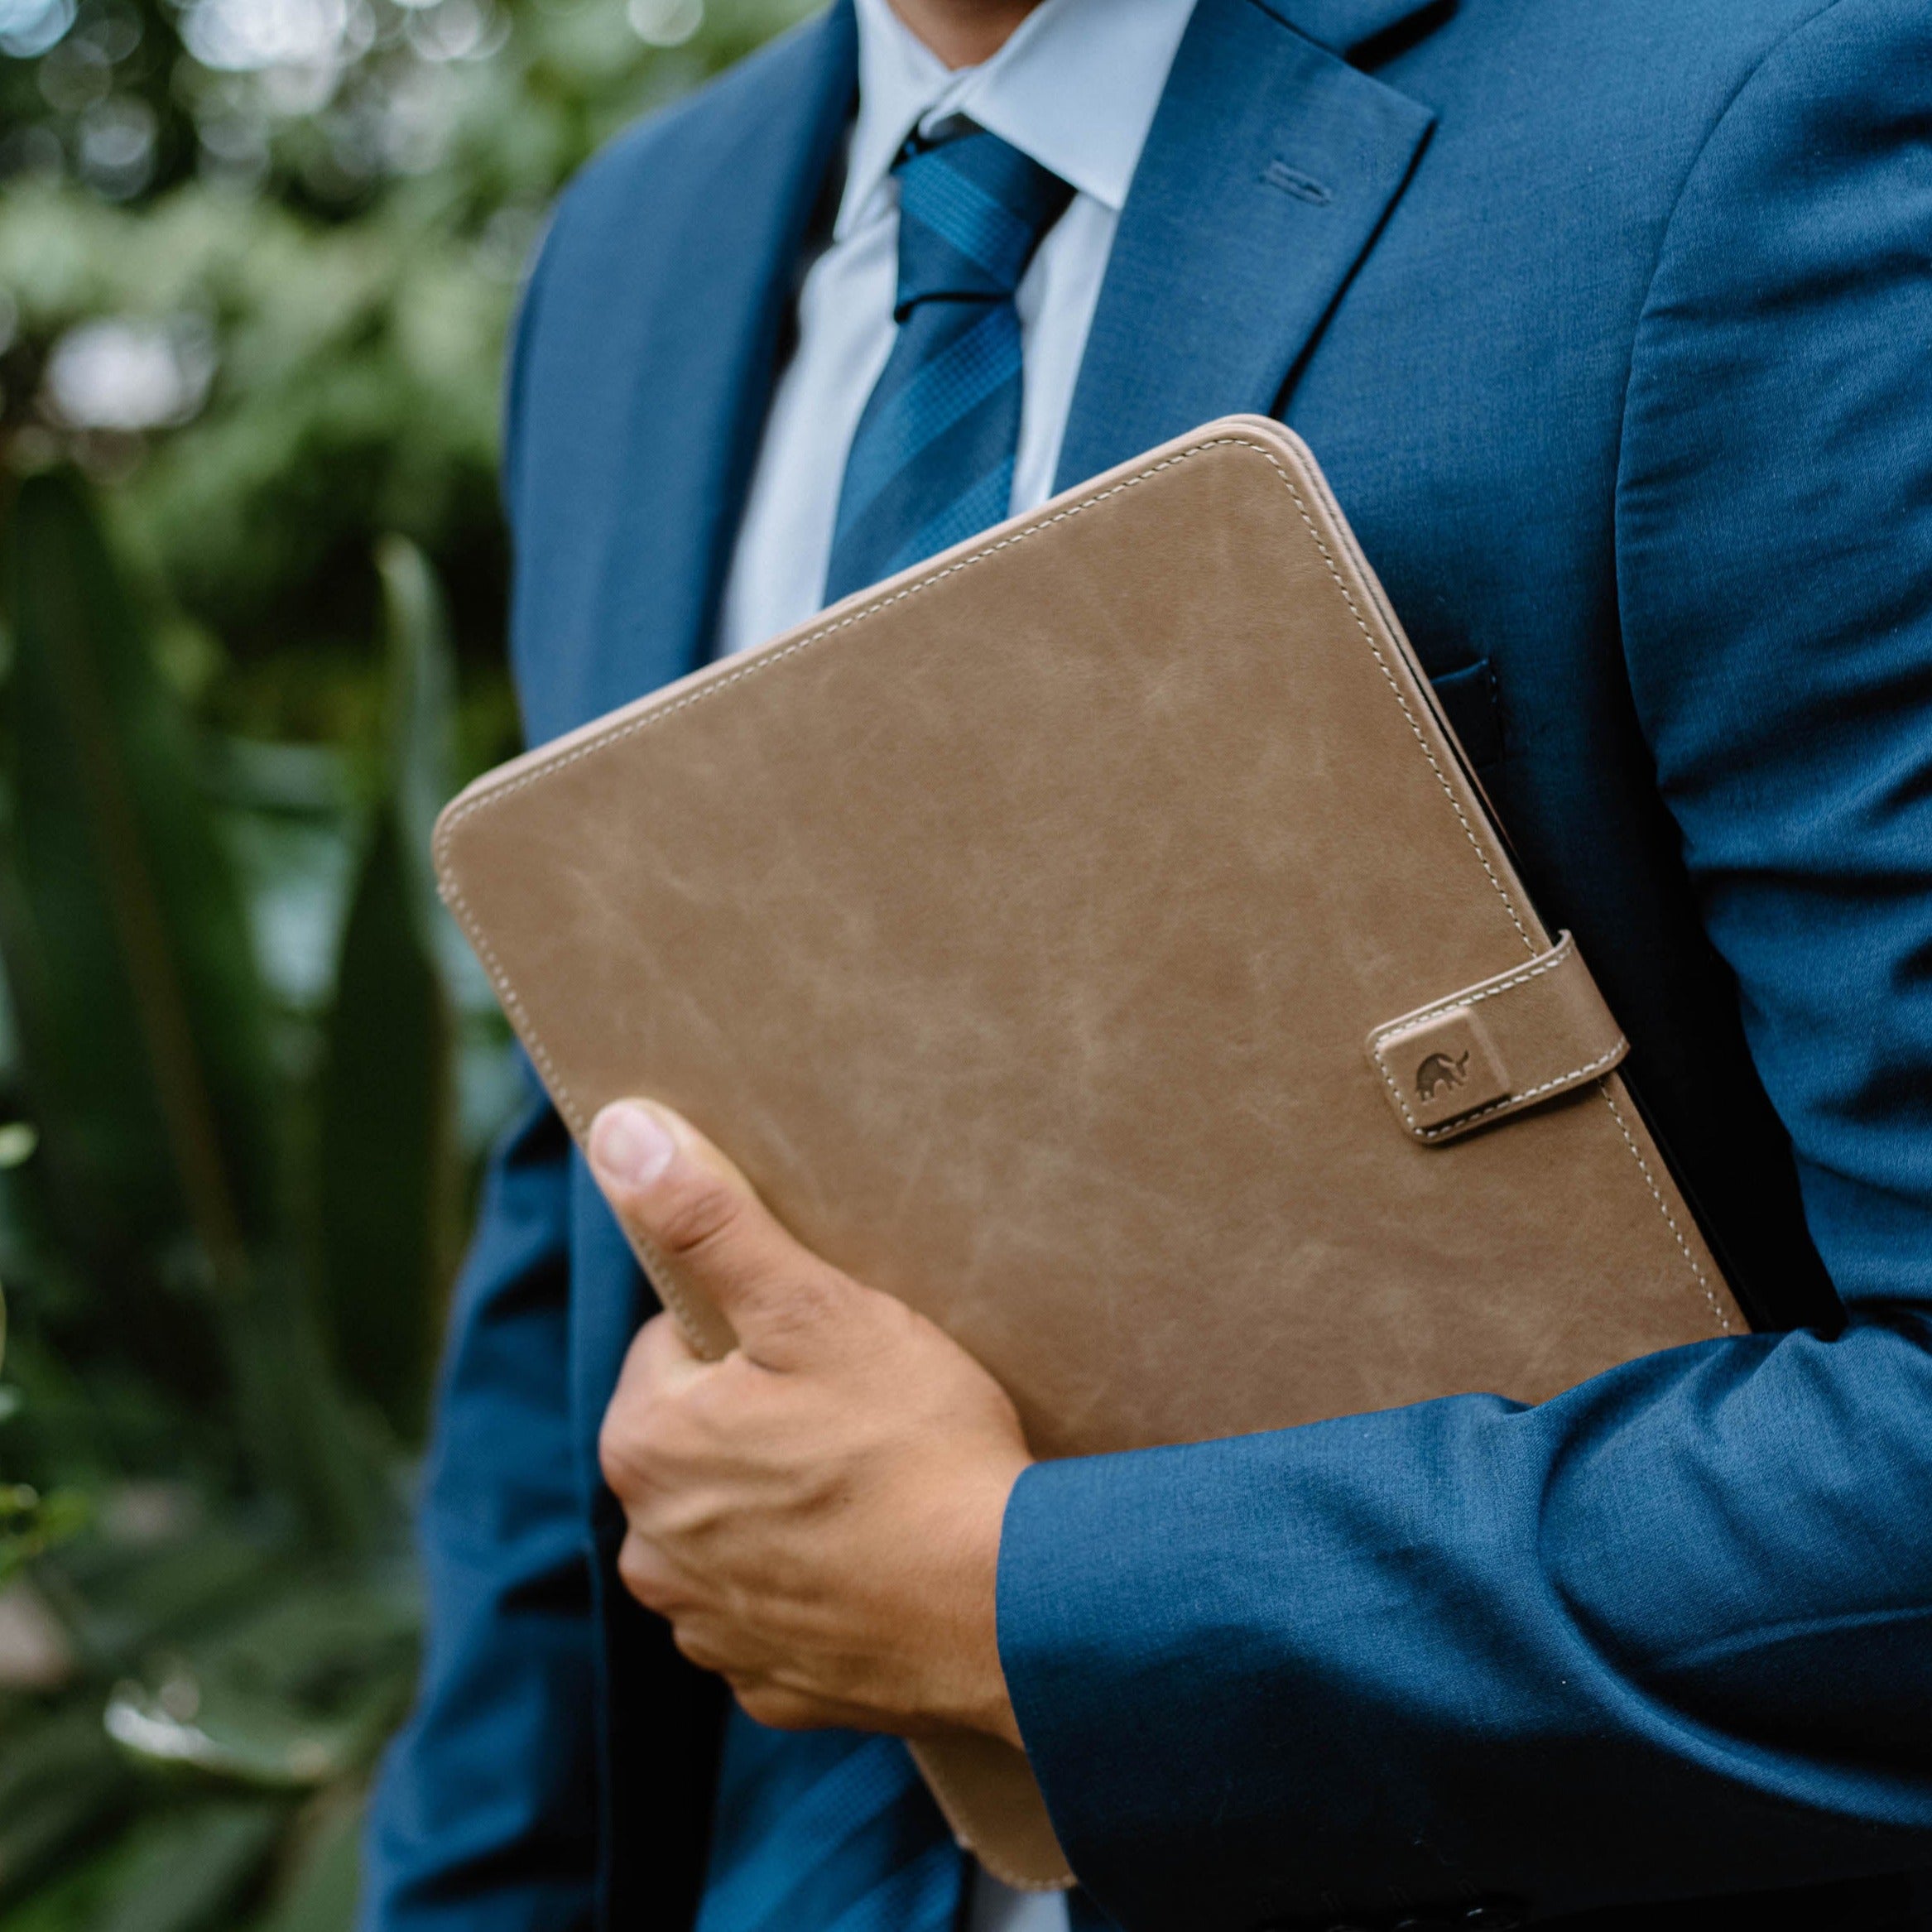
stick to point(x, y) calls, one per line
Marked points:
point(818, 1513)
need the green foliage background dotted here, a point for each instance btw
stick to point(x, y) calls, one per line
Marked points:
point(256, 261)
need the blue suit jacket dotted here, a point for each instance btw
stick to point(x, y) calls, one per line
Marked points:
point(1612, 325)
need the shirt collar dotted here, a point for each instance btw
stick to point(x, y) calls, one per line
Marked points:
point(1075, 88)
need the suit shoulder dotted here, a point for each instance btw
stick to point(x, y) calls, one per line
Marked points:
point(1738, 36)
point(1743, 28)
point(1671, 57)
point(1620, 100)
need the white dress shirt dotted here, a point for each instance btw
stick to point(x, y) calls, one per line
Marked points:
point(1075, 88)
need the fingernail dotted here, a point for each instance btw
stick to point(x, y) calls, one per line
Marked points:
point(629, 1144)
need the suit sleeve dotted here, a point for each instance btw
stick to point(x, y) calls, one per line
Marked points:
point(1670, 1634)
point(484, 1816)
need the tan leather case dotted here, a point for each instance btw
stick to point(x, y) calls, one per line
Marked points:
point(1095, 937)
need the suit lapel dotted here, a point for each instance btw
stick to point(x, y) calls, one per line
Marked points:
point(723, 290)
point(1269, 168)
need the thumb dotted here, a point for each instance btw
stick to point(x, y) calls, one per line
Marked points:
point(681, 1199)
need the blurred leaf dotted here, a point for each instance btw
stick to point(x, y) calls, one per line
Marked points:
point(260, 1745)
point(319, 279)
point(421, 709)
point(188, 1869)
point(321, 1892)
point(119, 1601)
point(70, 1900)
point(298, 1696)
point(88, 1414)
point(386, 1144)
point(143, 1019)
point(141, 1015)
point(31, 1524)
point(61, 1783)
point(310, 1449)
point(389, 1176)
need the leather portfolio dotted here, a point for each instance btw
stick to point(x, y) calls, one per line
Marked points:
point(1097, 937)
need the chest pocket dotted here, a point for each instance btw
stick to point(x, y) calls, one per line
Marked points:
point(1469, 697)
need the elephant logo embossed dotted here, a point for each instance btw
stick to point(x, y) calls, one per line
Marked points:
point(1438, 1071)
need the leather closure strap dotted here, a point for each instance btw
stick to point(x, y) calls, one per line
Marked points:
point(1496, 1047)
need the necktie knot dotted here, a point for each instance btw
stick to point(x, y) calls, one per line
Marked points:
point(972, 210)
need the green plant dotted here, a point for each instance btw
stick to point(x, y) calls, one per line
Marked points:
point(253, 288)
point(241, 1211)
point(273, 327)
point(387, 1166)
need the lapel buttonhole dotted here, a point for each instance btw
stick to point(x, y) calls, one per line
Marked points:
point(1291, 181)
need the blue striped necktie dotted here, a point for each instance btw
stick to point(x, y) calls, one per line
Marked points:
point(826, 1831)
point(932, 460)
point(831, 1831)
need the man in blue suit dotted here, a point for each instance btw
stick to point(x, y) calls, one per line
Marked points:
point(1609, 325)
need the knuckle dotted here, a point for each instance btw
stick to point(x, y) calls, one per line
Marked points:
point(645, 1360)
point(640, 1441)
point(613, 1452)
point(622, 1449)
point(699, 1214)
point(777, 1708)
point(613, 1460)
point(695, 1647)
point(800, 1301)
point(641, 1574)
point(631, 1569)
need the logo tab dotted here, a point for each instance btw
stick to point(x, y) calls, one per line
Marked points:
point(1445, 1067)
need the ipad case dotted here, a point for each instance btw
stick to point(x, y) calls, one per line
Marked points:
point(1095, 937)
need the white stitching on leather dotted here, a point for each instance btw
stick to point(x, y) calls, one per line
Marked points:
point(658, 1270)
point(1643, 1167)
point(1395, 691)
point(763, 663)
point(1559, 955)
